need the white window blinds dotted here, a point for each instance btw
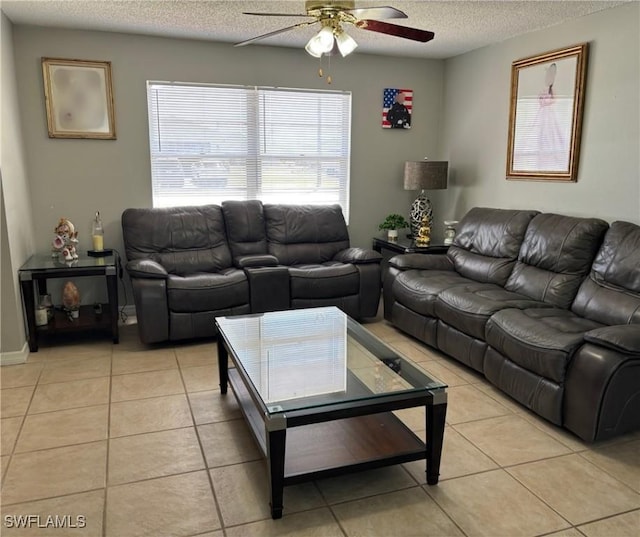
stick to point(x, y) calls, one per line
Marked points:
point(210, 143)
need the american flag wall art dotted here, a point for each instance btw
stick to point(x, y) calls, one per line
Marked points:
point(396, 108)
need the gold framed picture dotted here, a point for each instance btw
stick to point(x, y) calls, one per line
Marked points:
point(78, 98)
point(545, 120)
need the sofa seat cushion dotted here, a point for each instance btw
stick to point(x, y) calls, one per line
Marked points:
point(418, 289)
point(207, 291)
point(469, 307)
point(327, 280)
point(541, 340)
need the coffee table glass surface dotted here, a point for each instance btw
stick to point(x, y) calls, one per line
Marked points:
point(319, 393)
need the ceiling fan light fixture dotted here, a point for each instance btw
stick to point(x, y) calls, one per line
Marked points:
point(346, 43)
point(321, 43)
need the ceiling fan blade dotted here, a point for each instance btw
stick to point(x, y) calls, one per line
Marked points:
point(394, 29)
point(384, 12)
point(275, 32)
point(276, 14)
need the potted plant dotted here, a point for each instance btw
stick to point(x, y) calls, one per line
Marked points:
point(392, 223)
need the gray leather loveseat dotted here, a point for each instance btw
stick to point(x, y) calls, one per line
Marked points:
point(189, 265)
point(546, 306)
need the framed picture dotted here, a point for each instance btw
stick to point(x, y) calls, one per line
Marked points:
point(78, 98)
point(396, 108)
point(545, 123)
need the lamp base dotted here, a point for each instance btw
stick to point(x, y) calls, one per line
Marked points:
point(420, 208)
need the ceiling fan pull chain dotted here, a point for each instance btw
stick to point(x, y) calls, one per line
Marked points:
point(329, 70)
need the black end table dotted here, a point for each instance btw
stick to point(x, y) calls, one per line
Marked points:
point(405, 245)
point(39, 268)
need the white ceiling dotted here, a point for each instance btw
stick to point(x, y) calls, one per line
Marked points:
point(459, 25)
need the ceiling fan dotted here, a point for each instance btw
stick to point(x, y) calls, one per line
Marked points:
point(332, 14)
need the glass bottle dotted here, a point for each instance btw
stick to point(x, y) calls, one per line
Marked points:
point(46, 303)
point(97, 233)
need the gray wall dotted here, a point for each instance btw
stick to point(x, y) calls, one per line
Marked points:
point(75, 178)
point(477, 117)
point(16, 217)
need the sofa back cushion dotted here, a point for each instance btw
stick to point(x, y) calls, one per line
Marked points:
point(300, 234)
point(556, 255)
point(182, 239)
point(244, 221)
point(487, 243)
point(611, 293)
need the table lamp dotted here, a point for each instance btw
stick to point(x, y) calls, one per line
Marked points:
point(424, 175)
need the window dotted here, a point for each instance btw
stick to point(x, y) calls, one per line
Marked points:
point(211, 143)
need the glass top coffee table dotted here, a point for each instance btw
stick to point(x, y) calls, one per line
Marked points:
point(318, 392)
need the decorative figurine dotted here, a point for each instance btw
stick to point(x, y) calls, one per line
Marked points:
point(449, 231)
point(71, 300)
point(424, 233)
point(66, 241)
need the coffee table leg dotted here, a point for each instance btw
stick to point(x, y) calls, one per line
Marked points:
point(436, 412)
point(275, 460)
point(223, 365)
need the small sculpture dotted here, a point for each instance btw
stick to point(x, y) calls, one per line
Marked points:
point(424, 233)
point(71, 300)
point(66, 240)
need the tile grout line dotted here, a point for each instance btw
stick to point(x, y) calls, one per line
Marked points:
point(591, 463)
point(450, 517)
point(24, 418)
point(47, 498)
point(106, 470)
point(202, 453)
point(534, 493)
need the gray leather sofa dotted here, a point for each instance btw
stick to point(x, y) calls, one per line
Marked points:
point(546, 306)
point(189, 265)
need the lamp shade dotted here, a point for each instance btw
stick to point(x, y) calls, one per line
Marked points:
point(426, 174)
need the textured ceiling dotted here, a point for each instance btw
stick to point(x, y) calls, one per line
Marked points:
point(459, 25)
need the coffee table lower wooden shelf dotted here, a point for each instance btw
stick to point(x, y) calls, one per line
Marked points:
point(334, 447)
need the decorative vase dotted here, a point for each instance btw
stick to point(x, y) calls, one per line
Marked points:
point(392, 235)
point(449, 231)
point(420, 208)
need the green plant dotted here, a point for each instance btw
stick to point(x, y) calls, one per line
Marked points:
point(394, 221)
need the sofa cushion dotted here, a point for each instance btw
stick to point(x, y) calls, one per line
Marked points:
point(305, 234)
point(487, 243)
point(541, 340)
point(469, 307)
point(611, 294)
point(207, 291)
point(184, 240)
point(555, 256)
point(244, 222)
point(418, 289)
point(328, 280)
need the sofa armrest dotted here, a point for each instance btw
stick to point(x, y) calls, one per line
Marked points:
point(357, 256)
point(146, 268)
point(152, 310)
point(421, 262)
point(622, 338)
point(247, 261)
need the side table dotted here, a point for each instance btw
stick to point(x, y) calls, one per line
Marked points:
point(405, 245)
point(33, 282)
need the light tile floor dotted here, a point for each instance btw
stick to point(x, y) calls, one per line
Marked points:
point(139, 441)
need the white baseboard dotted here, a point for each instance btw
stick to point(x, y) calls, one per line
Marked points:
point(15, 357)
